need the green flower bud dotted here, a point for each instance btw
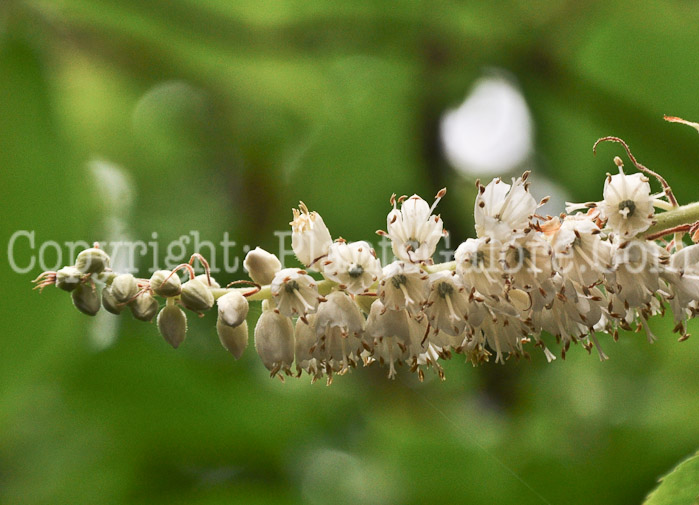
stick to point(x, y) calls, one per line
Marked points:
point(68, 278)
point(92, 261)
point(172, 324)
point(86, 300)
point(109, 302)
point(196, 296)
point(144, 307)
point(171, 287)
point(205, 281)
point(232, 308)
point(233, 339)
point(124, 288)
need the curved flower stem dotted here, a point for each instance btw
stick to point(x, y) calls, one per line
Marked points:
point(642, 168)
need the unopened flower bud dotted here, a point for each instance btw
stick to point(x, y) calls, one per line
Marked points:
point(144, 307)
point(68, 278)
point(232, 308)
point(105, 277)
point(124, 288)
point(233, 339)
point(208, 281)
point(261, 266)
point(166, 288)
point(196, 296)
point(172, 324)
point(86, 300)
point(110, 303)
point(92, 261)
point(274, 341)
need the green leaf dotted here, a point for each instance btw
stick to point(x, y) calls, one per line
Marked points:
point(680, 486)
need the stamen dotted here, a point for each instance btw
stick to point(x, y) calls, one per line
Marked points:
point(452, 313)
point(408, 300)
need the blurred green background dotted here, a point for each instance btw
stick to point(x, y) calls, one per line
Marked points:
point(124, 118)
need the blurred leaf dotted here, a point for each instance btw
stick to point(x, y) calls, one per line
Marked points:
point(680, 486)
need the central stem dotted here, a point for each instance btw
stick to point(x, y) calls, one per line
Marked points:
point(686, 214)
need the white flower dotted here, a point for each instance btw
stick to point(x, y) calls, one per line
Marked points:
point(403, 286)
point(636, 268)
point(354, 266)
point(478, 265)
point(445, 343)
point(429, 358)
point(627, 204)
point(419, 350)
point(682, 276)
point(339, 311)
point(413, 230)
point(396, 336)
point(294, 292)
point(447, 305)
point(274, 341)
point(503, 333)
point(569, 317)
point(339, 327)
point(337, 352)
point(527, 262)
point(305, 344)
point(502, 210)
point(620, 314)
point(579, 252)
point(310, 238)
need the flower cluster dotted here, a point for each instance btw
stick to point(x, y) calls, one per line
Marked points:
point(525, 278)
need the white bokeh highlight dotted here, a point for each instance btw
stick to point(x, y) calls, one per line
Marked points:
point(115, 190)
point(491, 132)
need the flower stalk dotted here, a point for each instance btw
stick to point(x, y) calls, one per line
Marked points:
point(599, 268)
point(679, 216)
